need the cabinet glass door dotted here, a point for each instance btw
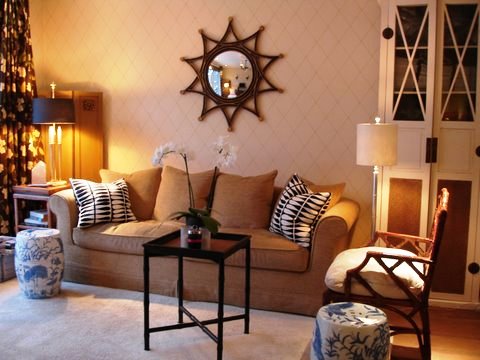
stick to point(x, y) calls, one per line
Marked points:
point(456, 125)
point(410, 72)
point(411, 62)
point(459, 66)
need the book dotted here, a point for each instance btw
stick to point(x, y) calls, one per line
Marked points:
point(35, 222)
point(41, 215)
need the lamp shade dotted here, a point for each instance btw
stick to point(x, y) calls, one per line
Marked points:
point(53, 111)
point(376, 144)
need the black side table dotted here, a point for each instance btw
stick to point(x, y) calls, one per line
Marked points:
point(222, 245)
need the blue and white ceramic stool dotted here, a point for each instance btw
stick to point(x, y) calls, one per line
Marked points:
point(39, 262)
point(350, 331)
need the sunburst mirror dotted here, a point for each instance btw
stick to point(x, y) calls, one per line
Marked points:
point(231, 74)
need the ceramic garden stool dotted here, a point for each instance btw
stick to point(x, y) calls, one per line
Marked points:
point(39, 262)
point(350, 331)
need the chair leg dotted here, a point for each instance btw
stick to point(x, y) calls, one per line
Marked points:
point(426, 348)
point(326, 297)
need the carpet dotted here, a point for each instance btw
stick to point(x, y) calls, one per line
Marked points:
point(89, 322)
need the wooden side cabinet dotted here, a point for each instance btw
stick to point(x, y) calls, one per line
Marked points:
point(35, 198)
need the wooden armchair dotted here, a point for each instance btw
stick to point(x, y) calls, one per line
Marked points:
point(392, 278)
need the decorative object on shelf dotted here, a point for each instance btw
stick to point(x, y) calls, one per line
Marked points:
point(54, 112)
point(39, 173)
point(221, 63)
point(39, 262)
point(376, 146)
point(349, 330)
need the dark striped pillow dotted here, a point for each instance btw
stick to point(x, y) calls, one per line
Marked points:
point(101, 202)
point(298, 211)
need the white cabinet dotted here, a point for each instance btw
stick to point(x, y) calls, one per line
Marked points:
point(429, 88)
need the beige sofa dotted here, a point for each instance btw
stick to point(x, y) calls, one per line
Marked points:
point(284, 276)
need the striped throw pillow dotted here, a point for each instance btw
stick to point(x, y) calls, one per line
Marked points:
point(101, 202)
point(298, 211)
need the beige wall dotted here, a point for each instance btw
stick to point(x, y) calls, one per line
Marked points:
point(130, 50)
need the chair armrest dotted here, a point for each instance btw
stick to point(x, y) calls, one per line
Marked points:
point(389, 268)
point(421, 245)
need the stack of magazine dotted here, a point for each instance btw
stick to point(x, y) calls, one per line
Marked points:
point(37, 218)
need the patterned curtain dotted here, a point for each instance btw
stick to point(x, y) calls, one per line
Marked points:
point(20, 146)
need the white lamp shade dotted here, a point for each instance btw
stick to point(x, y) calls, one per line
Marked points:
point(376, 144)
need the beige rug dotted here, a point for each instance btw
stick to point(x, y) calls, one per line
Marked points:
point(88, 322)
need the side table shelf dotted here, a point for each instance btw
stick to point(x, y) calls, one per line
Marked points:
point(35, 197)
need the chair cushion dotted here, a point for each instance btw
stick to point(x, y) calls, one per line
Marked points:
point(101, 202)
point(373, 273)
point(142, 188)
point(243, 201)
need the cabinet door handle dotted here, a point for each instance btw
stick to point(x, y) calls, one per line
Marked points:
point(387, 33)
point(431, 151)
point(473, 268)
point(477, 151)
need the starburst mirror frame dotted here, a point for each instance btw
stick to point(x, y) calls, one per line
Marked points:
point(258, 84)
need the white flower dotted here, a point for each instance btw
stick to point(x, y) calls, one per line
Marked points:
point(225, 153)
point(161, 152)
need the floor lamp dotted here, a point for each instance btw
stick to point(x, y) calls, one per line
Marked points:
point(376, 146)
point(53, 112)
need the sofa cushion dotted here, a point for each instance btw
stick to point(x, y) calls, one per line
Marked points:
point(126, 238)
point(243, 201)
point(101, 202)
point(298, 211)
point(270, 251)
point(336, 190)
point(142, 188)
point(172, 195)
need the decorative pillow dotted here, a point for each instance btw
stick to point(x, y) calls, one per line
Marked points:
point(101, 202)
point(336, 190)
point(298, 211)
point(142, 188)
point(173, 192)
point(243, 201)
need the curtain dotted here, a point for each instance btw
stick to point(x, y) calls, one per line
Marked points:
point(20, 146)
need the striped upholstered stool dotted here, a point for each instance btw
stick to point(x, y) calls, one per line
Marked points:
point(350, 331)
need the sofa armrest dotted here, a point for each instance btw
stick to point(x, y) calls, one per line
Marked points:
point(333, 232)
point(63, 205)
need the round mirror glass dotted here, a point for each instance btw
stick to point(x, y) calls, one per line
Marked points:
point(230, 74)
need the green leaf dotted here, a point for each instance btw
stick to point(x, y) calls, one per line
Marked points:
point(179, 214)
point(210, 223)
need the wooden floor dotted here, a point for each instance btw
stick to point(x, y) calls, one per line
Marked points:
point(455, 335)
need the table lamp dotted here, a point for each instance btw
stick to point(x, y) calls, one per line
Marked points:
point(53, 112)
point(376, 146)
